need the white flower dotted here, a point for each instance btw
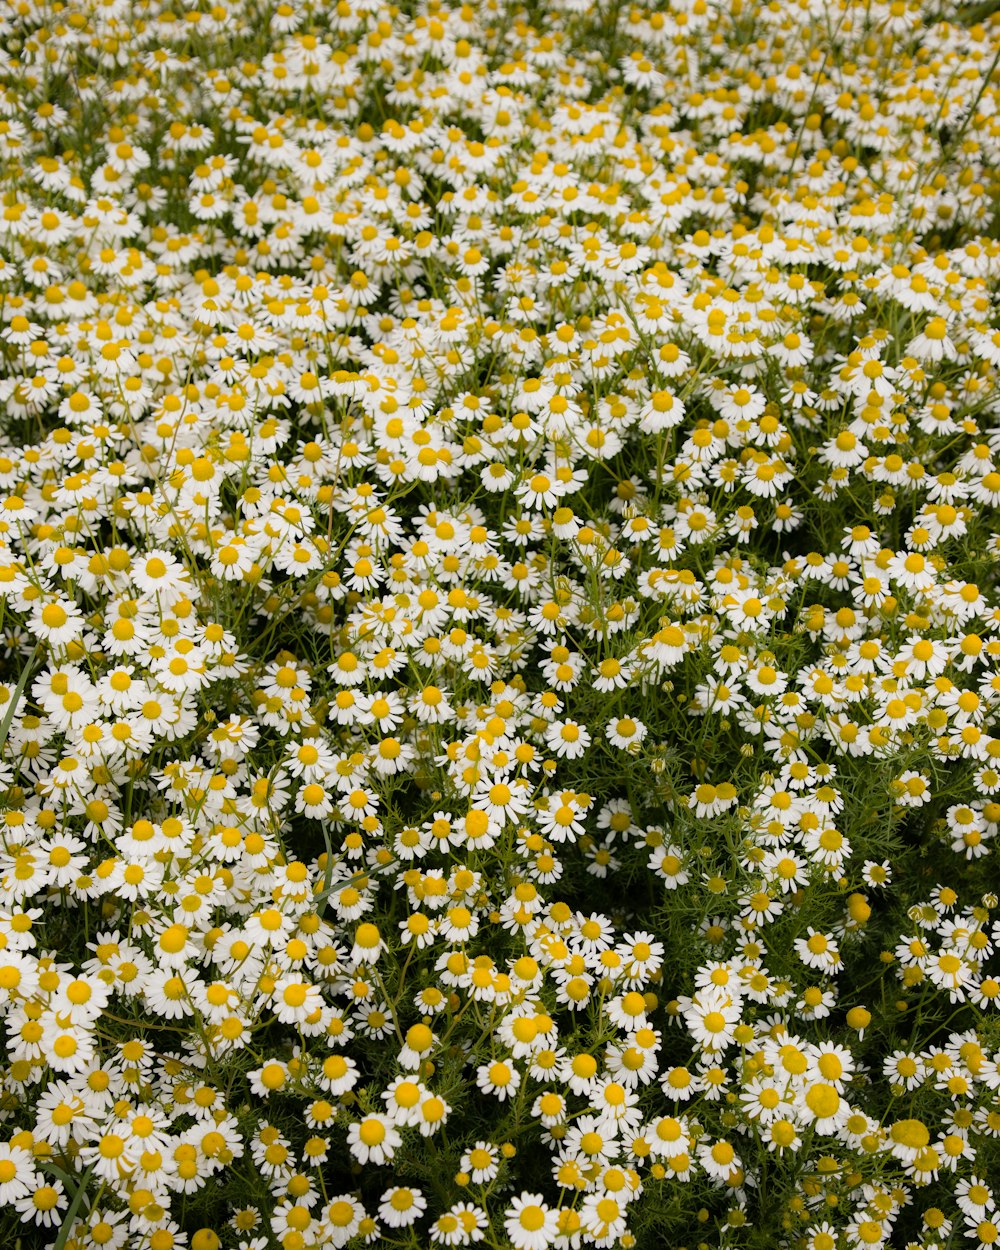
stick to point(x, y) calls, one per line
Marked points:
point(711, 1017)
point(626, 733)
point(341, 1218)
point(17, 1173)
point(567, 739)
point(530, 1223)
point(719, 1159)
point(373, 1139)
point(401, 1206)
point(499, 1078)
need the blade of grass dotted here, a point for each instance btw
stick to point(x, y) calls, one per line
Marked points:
point(59, 1173)
point(328, 886)
point(328, 870)
point(74, 1206)
point(15, 698)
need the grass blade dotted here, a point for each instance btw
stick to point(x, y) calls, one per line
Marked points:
point(74, 1206)
point(15, 698)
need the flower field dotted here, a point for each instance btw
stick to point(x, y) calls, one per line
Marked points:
point(499, 625)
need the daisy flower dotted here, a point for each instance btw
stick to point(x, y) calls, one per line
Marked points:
point(373, 1139)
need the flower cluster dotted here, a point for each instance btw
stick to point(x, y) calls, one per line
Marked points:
point(498, 590)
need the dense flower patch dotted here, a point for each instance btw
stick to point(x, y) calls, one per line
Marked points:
point(498, 590)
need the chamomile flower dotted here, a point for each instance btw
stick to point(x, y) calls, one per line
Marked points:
point(373, 1139)
point(401, 1206)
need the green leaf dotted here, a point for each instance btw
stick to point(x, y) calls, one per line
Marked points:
point(48, 1166)
point(74, 1206)
point(15, 698)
